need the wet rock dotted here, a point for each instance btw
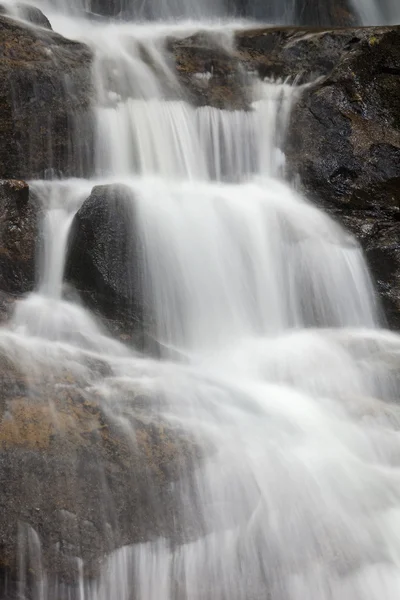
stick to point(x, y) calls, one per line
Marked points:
point(297, 53)
point(80, 475)
point(379, 236)
point(324, 13)
point(45, 103)
point(103, 261)
point(107, 8)
point(32, 14)
point(217, 73)
point(19, 215)
point(345, 141)
point(345, 146)
point(209, 72)
point(29, 13)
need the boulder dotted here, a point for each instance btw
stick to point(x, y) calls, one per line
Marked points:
point(298, 53)
point(29, 13)
point(32, 14)
point(82, 474)
point(103, 260)
point(209, 72)
point(45, 103)
point(344, 143)
point(18, 238)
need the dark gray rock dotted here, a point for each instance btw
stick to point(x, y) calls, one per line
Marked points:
point(225, 84)
point(295, 52)
point(344, 143)
point(72, 475)
point(32, 15)
point(104, 260)
point(45, 103)
point(19, 216)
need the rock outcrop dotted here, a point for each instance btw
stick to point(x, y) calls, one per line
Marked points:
point(344, 143)
point(19, 235)
point(210, 73)
point(324, 13)
point(45, 103)
point(29, 13)
point(104, 261)
point(81, 473)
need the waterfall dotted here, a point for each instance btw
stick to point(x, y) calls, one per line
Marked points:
point(320, 12)
point(273, 357)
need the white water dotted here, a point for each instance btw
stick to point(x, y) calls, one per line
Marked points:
point(369, 12)
point(285, 375)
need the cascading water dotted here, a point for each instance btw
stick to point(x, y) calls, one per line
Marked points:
point(284, 378)
point(317, 12)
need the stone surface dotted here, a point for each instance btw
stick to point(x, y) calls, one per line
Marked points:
point(345, 146)
point(209, 72)
point(45, 98)
point(103, 262)
point(18, 238)
point(33, 14)
point(214, 72)
point(84, 474)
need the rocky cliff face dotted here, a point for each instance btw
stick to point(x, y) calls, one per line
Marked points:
point(104, 260)
point(345, 146)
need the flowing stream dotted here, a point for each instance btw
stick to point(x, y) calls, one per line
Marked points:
point(274, 352)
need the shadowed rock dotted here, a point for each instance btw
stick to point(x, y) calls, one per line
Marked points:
point(103, 261)
point(45, 97)
point(18, 237)
point(345, 145)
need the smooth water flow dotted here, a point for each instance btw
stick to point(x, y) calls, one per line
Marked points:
point(272, 357)
point(369, 12)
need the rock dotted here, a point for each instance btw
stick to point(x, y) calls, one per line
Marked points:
point(107, 8)
point(45, 103)
point(32, 15)
point(27, 12)
point(18, 237)
point(103, 261)
point(209, 72)
point(82, 475)
point(216, 73)
point(325, 13)
point(292, 52)
point(345, 146)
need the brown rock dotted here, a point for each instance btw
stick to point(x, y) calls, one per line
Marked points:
point(45, 96)
point(83, 474)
